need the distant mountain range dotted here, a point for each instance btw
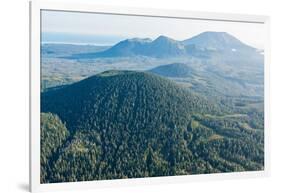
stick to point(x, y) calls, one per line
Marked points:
point(215, 60)
point(202, 45)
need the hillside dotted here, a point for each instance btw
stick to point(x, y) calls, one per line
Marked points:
point(53, 134)
point(127, 124)
point(173, 70)
point(133, 96)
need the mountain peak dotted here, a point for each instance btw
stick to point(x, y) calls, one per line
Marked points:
point(215, 34)
point(221, 36)
point(140, 40)
point(163, 38)
point(215, 40)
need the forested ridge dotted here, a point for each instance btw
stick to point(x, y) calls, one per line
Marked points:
point(127, 124)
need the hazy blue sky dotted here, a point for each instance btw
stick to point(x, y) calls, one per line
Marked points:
point(60, 26)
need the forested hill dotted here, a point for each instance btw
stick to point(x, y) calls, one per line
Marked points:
point(126, 124)
point(124, 97)
point(175, 70)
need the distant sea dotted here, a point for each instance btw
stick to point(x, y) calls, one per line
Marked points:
point(80, 39)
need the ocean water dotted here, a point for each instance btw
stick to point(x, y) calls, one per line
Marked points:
point(81, 39)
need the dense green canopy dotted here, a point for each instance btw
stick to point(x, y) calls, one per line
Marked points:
point(126, 124)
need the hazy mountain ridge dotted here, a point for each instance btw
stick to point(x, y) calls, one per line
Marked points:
point(204, 44)
point(59, 49)
point(160, 47)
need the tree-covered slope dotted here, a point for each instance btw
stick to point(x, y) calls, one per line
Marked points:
point(126, 124)
point(176, 70)
point(53, 135)
point(123, 97)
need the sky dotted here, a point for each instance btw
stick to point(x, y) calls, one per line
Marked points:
point(107, 29)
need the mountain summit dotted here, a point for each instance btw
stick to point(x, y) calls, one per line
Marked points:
point(216, 41)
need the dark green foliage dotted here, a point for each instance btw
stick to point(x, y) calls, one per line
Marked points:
point(53, 135)
point(124, 99)
point(126, 124)
point(78, 158)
